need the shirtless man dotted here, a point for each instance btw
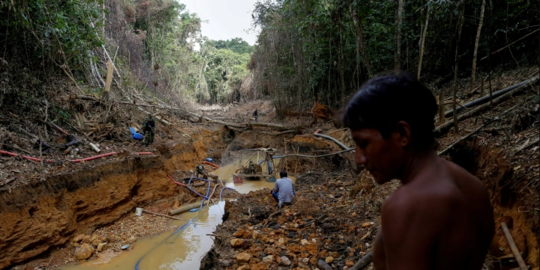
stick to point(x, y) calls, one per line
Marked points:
point(440, 218)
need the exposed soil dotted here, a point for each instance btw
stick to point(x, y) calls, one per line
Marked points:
point(44, 207)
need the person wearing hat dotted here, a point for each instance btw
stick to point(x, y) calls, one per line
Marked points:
point(148, 126)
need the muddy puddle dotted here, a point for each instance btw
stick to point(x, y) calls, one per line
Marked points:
point(185, 247)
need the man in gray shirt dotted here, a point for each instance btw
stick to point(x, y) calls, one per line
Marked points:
point(283, 192)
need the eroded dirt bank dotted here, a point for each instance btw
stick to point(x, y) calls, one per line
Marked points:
point(48, 213)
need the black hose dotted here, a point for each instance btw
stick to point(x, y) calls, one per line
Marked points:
point(485, 98)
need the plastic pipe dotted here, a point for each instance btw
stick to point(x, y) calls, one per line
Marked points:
point(8, 153)
point(211, 195)
point(211, 164)
point(94, 157)
point(26, 157)
point(38, 160)
point(202, 203)
point(333, 139)
point(178, 183)
point(196, 178)
point(221, 192)
point(486, 97)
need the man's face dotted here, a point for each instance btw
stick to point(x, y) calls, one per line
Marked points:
point(382, 157)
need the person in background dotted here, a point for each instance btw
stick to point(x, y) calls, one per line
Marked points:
point(283, 192)
point(269, 158)
point(256, 115)
point(441, 217)
point(200, 172)
point(148, 126)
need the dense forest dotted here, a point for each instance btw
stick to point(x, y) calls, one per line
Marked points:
point(307, 50)
point(152, 45)
point(324, 50)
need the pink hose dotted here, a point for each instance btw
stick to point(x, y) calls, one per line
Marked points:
point(94, 157)
point(38, 160)
point(27, 157)
point(178, 183)
point(8, 153)
point(211, 164)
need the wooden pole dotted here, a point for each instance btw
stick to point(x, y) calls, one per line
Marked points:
point(185, 208)
point(482, 87)
point(441, 108)
point(513, 246)
point(109, 76)
point(477, 41)
point(422, 43)
point(490, 92)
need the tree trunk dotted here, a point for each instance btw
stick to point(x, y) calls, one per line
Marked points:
point(399, 19)
point(460, 28)
point(422, 42)
point(475, 54)
point(341, 65)
point(360, 41)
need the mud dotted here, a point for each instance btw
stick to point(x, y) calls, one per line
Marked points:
point(48, 213)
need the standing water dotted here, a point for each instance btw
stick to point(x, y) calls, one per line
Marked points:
point(183, 248)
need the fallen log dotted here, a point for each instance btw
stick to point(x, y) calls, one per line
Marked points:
point(185, 208)
point(513, 247)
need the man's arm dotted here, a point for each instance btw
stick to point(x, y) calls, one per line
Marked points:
point(411, 226)
point(276, 187)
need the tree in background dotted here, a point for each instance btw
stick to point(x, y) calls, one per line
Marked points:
point(324, 50)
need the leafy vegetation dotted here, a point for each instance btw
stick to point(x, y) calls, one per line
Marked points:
point(324, 50)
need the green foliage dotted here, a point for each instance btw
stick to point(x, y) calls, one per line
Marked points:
point(50, 31)
point(237, 45)
point(224, 73)
point(324, 50)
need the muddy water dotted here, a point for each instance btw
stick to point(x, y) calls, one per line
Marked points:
point(181, 249)
point(227, 171)
point(171, 250)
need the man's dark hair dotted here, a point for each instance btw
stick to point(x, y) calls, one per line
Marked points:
point(283, 174)
point(388, 98)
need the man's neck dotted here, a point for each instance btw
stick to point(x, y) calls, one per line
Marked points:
point(416, 163)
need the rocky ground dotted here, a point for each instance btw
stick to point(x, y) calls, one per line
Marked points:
point(333, 221)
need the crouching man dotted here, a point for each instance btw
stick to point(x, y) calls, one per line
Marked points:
point(283, 192)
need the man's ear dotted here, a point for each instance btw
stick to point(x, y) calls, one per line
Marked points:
point(402, 133)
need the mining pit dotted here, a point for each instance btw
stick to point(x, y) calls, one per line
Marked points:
point(332, 222)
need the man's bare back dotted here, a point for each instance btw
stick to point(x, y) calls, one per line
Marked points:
point(441, 219)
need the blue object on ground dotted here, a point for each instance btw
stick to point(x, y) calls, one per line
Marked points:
point(221, 192)
point(125, 246)
point(272, 179)
point(194, 210)
point(209, 159)
point(135, 135)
